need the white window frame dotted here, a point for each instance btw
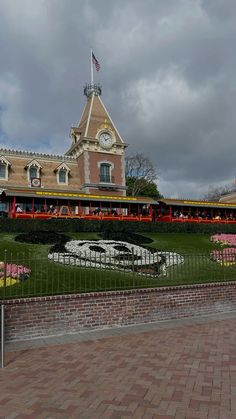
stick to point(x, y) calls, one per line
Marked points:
point(36, 165)
point(7, 164)
point(62, 166)
point(108, 163)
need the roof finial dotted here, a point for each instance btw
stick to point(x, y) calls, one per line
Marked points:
point(89, 89)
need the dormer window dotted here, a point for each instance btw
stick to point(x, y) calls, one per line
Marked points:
point(62, 173)
point(62, 176)
point(33, 171)
point(4, 168)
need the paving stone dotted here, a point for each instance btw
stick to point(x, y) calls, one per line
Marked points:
point(172, 370)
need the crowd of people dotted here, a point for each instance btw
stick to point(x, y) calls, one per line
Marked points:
point(204, 215)
point(51, 209)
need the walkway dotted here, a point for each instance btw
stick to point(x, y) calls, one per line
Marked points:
point(183, 369)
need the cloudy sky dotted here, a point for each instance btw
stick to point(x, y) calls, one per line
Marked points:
point(168, 71)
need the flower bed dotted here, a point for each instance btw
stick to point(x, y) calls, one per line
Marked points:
point(224, 239)
point(117, 255)
point(14, 273)
point(225, 257)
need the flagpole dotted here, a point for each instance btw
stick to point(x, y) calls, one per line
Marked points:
point(91, 66)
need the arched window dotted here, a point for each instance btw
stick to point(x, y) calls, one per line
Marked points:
point(62, 173)
point(62, 176)
point(3, 168)
point(33, 172)
point(105, 172)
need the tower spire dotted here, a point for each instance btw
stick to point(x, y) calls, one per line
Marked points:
point(91, 88)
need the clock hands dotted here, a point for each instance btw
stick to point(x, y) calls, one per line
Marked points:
point(105, 139)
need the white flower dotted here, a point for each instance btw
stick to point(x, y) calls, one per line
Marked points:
point(117, 255)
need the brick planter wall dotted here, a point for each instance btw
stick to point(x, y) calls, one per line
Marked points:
point(44, 316)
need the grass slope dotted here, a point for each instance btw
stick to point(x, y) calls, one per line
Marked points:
point(51, 278)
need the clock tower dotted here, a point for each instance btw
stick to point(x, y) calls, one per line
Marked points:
point(98, 148)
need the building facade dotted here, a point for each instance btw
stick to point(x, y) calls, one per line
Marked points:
point(93, 164)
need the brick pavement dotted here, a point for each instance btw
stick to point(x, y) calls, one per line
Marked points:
point(175, 370)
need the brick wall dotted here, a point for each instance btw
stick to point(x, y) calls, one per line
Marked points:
point(45, 316)
point(96, 158)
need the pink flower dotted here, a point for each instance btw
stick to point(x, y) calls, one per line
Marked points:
point(225, 255)
point(14, 271)
point(225, 239)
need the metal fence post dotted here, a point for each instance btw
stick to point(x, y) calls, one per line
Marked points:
point(2, 337)
point(3, 312)
point(132, 250)
point(5, 274)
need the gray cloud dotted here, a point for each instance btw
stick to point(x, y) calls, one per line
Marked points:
point(167, 70)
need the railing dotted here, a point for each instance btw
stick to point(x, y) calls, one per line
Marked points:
point(106, 216)
point(198, 220)
point(118, 216)
point(32, 274)
point(107, 178)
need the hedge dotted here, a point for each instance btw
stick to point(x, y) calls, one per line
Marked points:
point(72, 225)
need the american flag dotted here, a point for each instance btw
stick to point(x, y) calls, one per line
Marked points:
point(95, 61)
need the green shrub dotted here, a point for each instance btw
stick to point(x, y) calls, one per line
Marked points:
point(97, 226)
point(42, 237)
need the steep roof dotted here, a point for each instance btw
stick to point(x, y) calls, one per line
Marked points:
point(94, 117)
point(228, 197)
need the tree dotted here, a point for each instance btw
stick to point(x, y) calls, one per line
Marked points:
point(140, 176)
point(149, 188)
point(215, 192)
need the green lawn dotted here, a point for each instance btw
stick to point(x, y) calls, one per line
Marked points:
point(195, 248)
point(190, 242)
point(51, 278)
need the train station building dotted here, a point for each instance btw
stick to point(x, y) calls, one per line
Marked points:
point(88, 176)
point(93, 164)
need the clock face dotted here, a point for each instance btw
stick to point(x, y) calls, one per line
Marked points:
point(105, 139)
point(36, 182)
